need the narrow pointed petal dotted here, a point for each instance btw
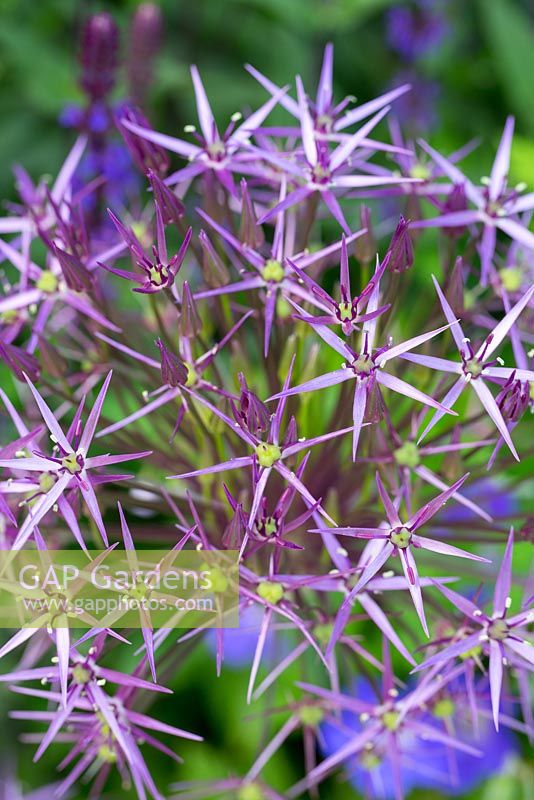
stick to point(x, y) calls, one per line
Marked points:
point(391, 511)
point(306, 125)
point(488, 401)
point(456, 328)
point(501, 165)
point(495, 678)
point(500, 331)
point(455, 175)
point(445, 549)
point(205, 114)
point(503, 583)
point(516, 231)
point(400, 386)
point(94, 416)
point(344, 150)
point(412, 576)
point(51, 422)
point(366, 109)
point(436, 504)
point(409, 344)
point(448, 401)
point(374, 566)
point(359, 404)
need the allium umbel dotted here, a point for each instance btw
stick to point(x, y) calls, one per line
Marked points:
point(272, 373)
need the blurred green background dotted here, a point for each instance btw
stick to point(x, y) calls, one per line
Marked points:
point(481, 72)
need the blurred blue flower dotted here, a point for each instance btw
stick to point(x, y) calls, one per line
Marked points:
point(426, 765)
point(413, 31)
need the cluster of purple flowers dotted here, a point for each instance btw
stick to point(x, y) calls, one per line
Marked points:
point(288, 415)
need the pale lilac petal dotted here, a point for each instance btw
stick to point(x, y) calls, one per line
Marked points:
point(495, 678)
point(355, 744)
point(362, 181)
point(20, 300)
point(89, 496)
point(486, 249)
point(450, 652)
point(260, 645)
point(286, 102)
point(306, 443)
point(330, 379)
point(400, 386)
point(94, 416)
point(456, 328)
point(456, 176)
point(506, 372)
point(68, 169)
point(306, 124)
point(297, 484)
point(444, 549)
point(205, 114)
point(435, 480)
point(440, 364)
point(366, 109)
point(270, 749)
point(391, 511)
point(247, 252)
point(63, 648)
point(461, 603)
point(524, 649)
point(165, 397)
point(232, 288)
point(359, 404)
point(233, 463)
point(431, 508)
point(500, 330)
point(51, 422)
point(129, 352)
point(269, 312)
point(488, 401)
point(155, 725)
point(374, 566)
point(448, 401)
point(409, 344)
point(452, 219)
point(254, 121)
point(332, 204)
point(504, 579)
point(35, 464)
point(412, 576)
point(344, 150)
point(324, 88)
point(258, 495)
point(292, 199)
point(84, 307)
point(524, 203)
point(516, 231)
point(42, 506)
point(501, 165)
point(380, 619)
point(19, 638)
point(168, 142)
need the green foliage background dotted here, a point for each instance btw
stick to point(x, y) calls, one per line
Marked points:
point(484, 70)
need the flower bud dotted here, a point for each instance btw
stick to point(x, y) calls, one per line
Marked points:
point(99, 55)
point(145, 39)
point(146, 155)
point(173, 370)
point(400, 250)
point(171, 208)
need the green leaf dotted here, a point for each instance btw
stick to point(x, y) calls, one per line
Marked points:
point(510, 35)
